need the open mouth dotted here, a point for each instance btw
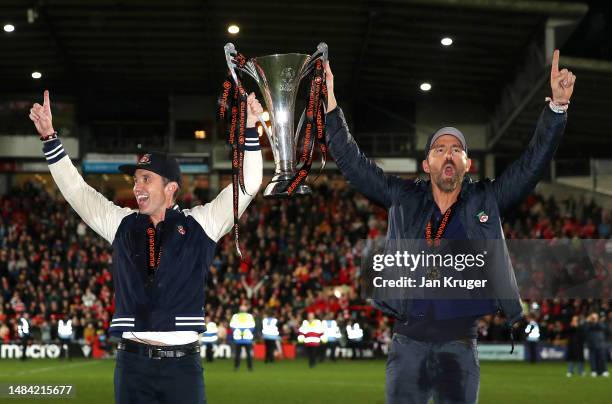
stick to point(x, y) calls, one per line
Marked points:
point(142, 199)
point(449, 170)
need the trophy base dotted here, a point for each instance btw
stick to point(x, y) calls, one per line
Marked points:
point(278, 190)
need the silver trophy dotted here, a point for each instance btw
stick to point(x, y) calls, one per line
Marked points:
point(278, 78)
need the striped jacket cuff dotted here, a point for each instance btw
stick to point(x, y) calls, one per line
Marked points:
point(251, 140)
point(53, 150)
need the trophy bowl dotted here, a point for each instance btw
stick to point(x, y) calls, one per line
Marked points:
point(278, 77)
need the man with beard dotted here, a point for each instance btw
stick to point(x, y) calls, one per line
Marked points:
point(433, 350)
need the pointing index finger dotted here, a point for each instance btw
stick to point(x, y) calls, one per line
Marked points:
point(46, 101)
point(555, 62)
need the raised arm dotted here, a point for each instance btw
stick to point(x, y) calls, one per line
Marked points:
point(217, 217)
point(520, 178)
point(361, 172)
point(96, 211)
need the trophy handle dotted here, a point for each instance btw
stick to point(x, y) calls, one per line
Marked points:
point(230, 52)
point(299, 126)
point(322, 53)
point(265, 127)
point(322, 48)
point(249, 68)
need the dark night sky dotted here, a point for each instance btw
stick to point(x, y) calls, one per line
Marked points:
point(593, 37)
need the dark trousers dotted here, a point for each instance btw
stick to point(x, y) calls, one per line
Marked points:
point(416, 371)
point(532, 351)
point(270, 348)
point(597, 359)
point(572, 364)
point(139, 379)
point(356, 349)
point(24, 347)
point(332, 351)
point(64, 348)
point(238, 354)
point(322, 352)
point(311, 351)
point(209, 353)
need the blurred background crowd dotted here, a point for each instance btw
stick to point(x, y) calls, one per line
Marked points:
point(302, 255)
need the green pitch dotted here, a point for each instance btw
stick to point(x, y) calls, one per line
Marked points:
point(293, 382)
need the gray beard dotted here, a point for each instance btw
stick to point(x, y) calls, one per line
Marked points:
point(449, 185)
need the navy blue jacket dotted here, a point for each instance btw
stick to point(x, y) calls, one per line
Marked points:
point(410, 203)
point(171, 298)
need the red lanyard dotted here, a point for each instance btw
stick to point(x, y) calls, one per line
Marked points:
point(440, 231)
point(153, 261)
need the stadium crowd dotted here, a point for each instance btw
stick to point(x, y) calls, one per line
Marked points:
point(301, 255)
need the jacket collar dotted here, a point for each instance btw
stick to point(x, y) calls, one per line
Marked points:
point(171, 213)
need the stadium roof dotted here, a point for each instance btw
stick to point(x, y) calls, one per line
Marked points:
point(379, 50)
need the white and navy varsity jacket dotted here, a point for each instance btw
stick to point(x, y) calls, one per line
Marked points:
point(171, 300)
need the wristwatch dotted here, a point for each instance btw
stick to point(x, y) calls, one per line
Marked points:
point(557, 108)
point(49, 137)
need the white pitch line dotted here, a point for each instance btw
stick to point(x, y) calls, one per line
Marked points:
point(51, 368)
